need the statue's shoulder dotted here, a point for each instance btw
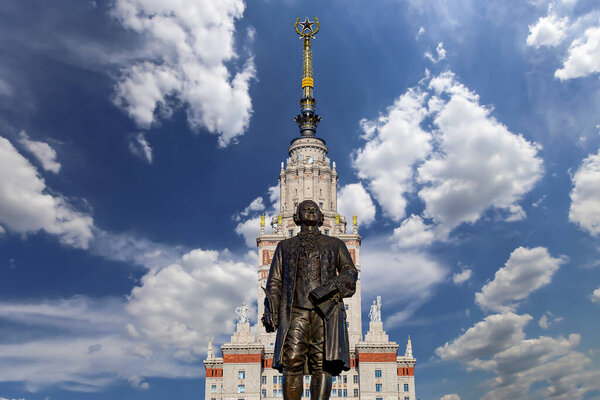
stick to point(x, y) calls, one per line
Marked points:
point(330, 240)
point(290, 242)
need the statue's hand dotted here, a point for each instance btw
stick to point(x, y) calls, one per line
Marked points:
point(269, 322)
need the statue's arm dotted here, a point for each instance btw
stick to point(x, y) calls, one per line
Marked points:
point(347, 272)
point(270, 317)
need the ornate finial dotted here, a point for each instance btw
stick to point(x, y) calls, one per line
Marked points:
point(307, 120)
point(337, 219)
point(262, 220)
point(279, 219)
point(210, 352)
point(242, 313)
point(354, 220)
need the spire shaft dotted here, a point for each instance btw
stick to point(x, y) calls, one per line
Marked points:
point(307, 120)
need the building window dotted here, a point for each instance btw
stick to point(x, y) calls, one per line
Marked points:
point(406, 387)
point(274, 392)
point(355, 378)
point(213, 398)
point(263, 393)
point(406, 398)
point(345, 378)
point(346, 306)
point(327, 231)
point(241, 388)
point(334, 393)
point(263, 379)
point(378, 387)
point(306, 392)
point(280, 379)
point(377, 373)
point(339, 392)
point(333, 379)
point(345, 392)
point(320, 204)
point(355, 392)
point(241, 374)
point(279, 393)
point(275, 380)
point(213, 389)
point(291, 232)
point(378, 398)
point(307, 379)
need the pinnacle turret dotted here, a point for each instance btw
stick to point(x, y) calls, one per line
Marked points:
point(307, 120)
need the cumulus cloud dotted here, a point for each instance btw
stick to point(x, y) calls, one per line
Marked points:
point(548, 319)
point(160, 330)
point(187, 62)
point(466, 163)
point(461, 277)
point(525, 271)
point(249, 219)
point(452, 396)
point(27, 207)
point(354, 199)
point(395, 143)
point(192, 299)
point(585, 196)
point(494, 334)
point(548, 31)
point(45, 154)
point(440, 54)
point(413, 232)
point(139, 146)
point(583, 57)
point(479, 162)
point(405, 280)
point(595, 297)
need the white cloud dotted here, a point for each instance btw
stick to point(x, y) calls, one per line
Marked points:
point(139, 146)
point(479, 162)
point(45, 154)
point(188, 53)
point(395, 143)
point(525, 271)
point(595, 297)
point(26, 207)
point(440, 54)
point(413, 232)
point(405, 280)
point(548, 31)
point(354, 199)
point(249, 219)
point(584, 56)
point(494, 334)
point(585, 196)
point(192, 299)
point(461, 277)
point(548, 319)
point(160, 330)
point(420, 32)
point(452, 396)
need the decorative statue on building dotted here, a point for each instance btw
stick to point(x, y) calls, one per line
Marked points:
point(242, 313)
point(375, 311)
point(310, 274)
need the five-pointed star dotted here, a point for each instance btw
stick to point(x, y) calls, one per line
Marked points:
point(307, 25)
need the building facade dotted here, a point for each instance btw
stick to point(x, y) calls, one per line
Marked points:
point(244, 371)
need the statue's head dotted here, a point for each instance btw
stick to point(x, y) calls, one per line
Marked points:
point(308, 213)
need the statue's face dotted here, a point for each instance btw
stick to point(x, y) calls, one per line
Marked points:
point(309, 214)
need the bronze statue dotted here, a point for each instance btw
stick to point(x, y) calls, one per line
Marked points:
point(310, 274)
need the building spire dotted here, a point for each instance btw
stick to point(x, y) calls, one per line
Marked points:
point(307, 120)
point(408, 352)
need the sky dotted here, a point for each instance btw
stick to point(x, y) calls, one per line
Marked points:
point(141, 140)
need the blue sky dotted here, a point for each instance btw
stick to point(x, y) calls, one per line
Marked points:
point(141, 140)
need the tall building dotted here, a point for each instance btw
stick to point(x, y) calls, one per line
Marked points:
point(244, 372)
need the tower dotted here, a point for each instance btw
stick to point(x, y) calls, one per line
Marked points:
point(244, 372)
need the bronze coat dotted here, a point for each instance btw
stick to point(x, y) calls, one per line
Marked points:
point(338, 279)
